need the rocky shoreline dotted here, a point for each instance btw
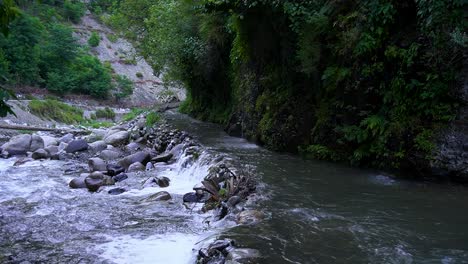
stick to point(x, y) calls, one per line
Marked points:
point(105, 158)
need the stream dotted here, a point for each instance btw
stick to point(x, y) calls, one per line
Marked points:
point(316, 212)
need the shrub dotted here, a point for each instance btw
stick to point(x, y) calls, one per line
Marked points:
point(139, 75)
point(73, 10)
point(56, 110)
point(112, 38)
point(94, 40)
point(106, 113)
point(124, 87)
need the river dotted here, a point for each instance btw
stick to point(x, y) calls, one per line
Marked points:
point(322, 212)
point(317, 212)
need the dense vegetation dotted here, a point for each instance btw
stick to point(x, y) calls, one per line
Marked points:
point(369, 82)
point(40, 50)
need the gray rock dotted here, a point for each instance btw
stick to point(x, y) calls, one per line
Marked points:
point(149, 166)
point(49, 141)
point(96, 164)
point(77, 183)
point(163, 158)
point(67, 138)
point(62, 146)
point(234, 200)
point(163, 181)
point(97, 179)
point(159, 196)
point(40, 154)
point(250, 217)
point(113, 169)
point(116, 191)
point(142, 157)
point(117, 139)
point(98, 146)
point(109, 155)
point(76, 145)
point(120, 177)
point(191, 198)
point(52, 150)
point(132, 146)
point(18, 145)
point(36, 143)
point(137, 166)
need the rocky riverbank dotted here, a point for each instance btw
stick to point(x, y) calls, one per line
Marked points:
point(110, 160)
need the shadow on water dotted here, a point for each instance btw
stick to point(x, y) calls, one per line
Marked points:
point(320, 212)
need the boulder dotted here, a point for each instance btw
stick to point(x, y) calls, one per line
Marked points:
point(159, 196)
point(98, 146)
point(132, 146)
point(66, 138)
point(137, 166)
point(142, 157)
point(18, 145)
point(52, 150)
point(76, 145)
point(113, 169)
point(109, 155)
point(62, 146)
point(162, 158)
point(117, 139)
point(49, 141)
point(36, 143)
point(96, 180)
point(116, 191)
point(191, 198)
point(120, 177)
point(77, 183)
point(234, 200)
point(96, 164)
point(40, 154)
point(163, 181)
point(250, 217)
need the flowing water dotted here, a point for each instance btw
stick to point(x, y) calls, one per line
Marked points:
point(316, 213)
point(326, 213)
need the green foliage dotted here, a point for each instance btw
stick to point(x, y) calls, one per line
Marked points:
point(57, 111)
point(112, 38)
point(134, 112)
point(319, 152)
point(106, 113)
point(139, 75)
point(372, 81)
point(73, 10)
point(96, 124)
point(124, 87)
point(94, 39)
point(152, 118)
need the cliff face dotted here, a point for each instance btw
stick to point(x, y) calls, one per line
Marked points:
point(451, 154)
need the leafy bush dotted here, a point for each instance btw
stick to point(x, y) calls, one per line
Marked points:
point(57, 111)
point(139, 75)
point(94, 40)
point(106, 113)
point(73, 10)
point(124, 87)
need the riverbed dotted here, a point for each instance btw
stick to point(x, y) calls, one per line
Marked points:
point(316, 212)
